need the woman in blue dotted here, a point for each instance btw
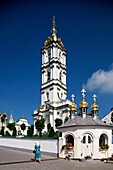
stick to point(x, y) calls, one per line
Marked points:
point(38, 152)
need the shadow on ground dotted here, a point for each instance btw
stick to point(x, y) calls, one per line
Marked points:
point(27, 161)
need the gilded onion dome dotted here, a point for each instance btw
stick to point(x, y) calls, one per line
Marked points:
point(54, 37)
point(83, 103)
point(94, 106)
point(73, 107)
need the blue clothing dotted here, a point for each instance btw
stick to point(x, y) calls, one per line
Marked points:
point(38, 152)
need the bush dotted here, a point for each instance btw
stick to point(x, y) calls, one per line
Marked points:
point(51, 132)
point(7, 133)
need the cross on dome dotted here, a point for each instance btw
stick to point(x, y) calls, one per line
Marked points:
point(83, 93)
point(94, 98)
point(72, 96)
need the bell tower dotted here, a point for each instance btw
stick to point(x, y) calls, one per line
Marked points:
point(54, 102)
point(53, 68)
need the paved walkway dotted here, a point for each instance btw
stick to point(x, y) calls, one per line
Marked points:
point(11, 159)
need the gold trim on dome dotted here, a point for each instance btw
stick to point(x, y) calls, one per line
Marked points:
point(73, 106)
point(83, 104)
point(94, 106)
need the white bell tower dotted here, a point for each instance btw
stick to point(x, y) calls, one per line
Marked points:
point(53, 69)
point(54, 102)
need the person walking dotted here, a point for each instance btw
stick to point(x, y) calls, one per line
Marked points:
point(37, 155)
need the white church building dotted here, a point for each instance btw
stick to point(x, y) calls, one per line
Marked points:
point(83, 135)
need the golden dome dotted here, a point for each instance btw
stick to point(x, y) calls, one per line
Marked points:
point(73, 106)
point(94, 106)
point(54, 37)
point(83, 104)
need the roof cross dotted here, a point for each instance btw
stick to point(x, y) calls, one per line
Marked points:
point(83, 93)
point(73, 96)
point(94, 98)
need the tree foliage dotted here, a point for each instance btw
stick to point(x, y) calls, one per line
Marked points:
point(40, 124)
point(30, 131)
point(58, 122)
point(14, 132)
point(48, 126)
point(23, 127)
point(51, 132)
point(11, 126)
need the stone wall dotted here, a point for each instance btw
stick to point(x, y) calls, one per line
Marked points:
point(47, 146)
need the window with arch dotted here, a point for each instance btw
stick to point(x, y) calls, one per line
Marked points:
point(59, 53)
point(87, 139)
point(70, 140)
point(103, 141)
point(47, 94)
point(60, 75)
point(48, 75)
point(84, 139)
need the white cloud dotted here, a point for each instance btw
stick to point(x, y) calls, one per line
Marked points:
point(101, 80)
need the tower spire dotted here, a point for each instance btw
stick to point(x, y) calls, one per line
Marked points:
point(54, 31)
point(54, 24)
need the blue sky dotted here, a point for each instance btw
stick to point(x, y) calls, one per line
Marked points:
point(86, 29)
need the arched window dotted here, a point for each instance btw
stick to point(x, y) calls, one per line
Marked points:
point(48, 75)
point(89, 139)
point(47, 94)
point(84, 139)
point(59, 53)
point(70, 140)
point(60, 75)
point(103, 140)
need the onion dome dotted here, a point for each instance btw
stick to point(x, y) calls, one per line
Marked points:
point(73, 107)
point(54, 37)
point(83, 103)
point(94, 106)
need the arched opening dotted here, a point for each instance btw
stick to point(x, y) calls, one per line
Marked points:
point(70, 140)
point(103, 141)
point(87, 145)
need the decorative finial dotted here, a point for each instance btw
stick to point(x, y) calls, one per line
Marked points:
point(73, 96)
point(54, 24)
point(54, 28)
point(94, 98)
point(83, 93)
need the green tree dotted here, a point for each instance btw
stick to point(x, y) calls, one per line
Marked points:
point(40, 125)
point(48, 126)
point(23, 127)
point(51, 132)
point(58, 122)
point(30, 131)
point(11, 126)
point(14, 131)
point(66, 119)
point(2, 131)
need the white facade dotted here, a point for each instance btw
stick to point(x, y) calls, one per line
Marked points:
point(85, 133)
point(82, 149)
point(108, 119)
point(18, 127)
point(54, 103)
